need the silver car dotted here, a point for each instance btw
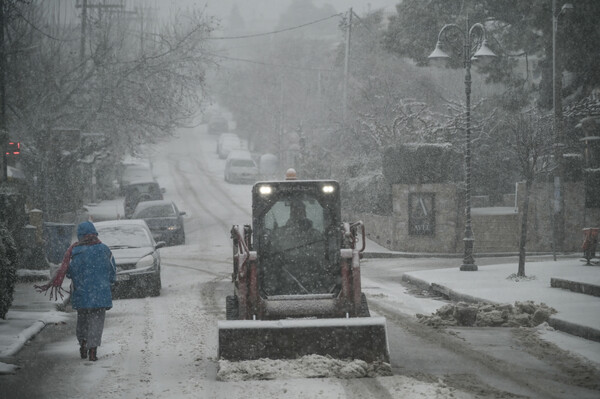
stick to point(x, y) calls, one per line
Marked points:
point(136, 255)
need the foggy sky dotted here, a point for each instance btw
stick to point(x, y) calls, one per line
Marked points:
point(269, 10)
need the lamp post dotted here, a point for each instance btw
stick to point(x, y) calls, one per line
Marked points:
point(558, 215)
point(474, 48)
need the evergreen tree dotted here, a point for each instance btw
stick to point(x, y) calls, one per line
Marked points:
point(513, 26)
point(8, 271)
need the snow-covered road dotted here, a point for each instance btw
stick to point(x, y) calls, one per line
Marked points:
point(165, 347)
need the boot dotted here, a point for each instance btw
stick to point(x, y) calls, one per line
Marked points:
point(92, 354)
point(82, 349)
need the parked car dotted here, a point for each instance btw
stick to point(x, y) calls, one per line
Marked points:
point(164, 220)
point(240, 167)
point(228, 142)
point(136, 255)
point(134, 170)
point(217, 125)
point(139, 191)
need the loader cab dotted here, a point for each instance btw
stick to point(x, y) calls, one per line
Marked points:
point(296, 233)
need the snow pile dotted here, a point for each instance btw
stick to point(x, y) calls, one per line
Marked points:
point(310, 366)
point(516, 278)
point(522, 314)
point(8, 368)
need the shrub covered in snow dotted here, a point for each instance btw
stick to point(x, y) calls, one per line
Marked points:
point(367, 193)
point(422, 163)
point(8, 272)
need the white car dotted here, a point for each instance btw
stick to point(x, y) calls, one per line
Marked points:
point(136, 255)
point(228, 142)
point(240, 167)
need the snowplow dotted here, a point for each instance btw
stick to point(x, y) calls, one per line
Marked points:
point(296, 279)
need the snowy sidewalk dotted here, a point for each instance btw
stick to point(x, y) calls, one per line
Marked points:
point(29, 313)
point(577, 313)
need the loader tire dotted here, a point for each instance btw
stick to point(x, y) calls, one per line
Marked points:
point(364, 306)
point(232, 310)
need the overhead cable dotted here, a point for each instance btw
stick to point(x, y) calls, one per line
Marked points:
point(268, 64)
point(276, 31)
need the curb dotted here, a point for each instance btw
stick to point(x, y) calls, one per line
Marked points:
point(392, 254)
point(575, 286)
point(578, 330)
point(34, 328)
point(32, 276)
point(443, 290)
point(575, 329)
point(22, 338)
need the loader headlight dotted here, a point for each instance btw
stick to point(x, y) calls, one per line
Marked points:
point(328, 189)
point(265, 190)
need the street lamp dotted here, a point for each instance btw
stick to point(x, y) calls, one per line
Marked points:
point(474, 49)
point(558, 219)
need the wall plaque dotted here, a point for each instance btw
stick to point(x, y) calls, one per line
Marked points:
point(421, 214)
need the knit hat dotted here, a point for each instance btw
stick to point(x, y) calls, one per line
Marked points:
point(84, 229)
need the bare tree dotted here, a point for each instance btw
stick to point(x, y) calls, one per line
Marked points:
point(529, 137)
point(131, 94)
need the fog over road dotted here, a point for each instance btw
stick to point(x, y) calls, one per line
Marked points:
point(165, 347)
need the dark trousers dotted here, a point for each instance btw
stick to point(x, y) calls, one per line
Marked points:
point(90, 324)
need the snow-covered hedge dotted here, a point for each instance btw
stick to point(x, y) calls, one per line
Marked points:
point(8, 270)
point(369, 193)
point(422, 163)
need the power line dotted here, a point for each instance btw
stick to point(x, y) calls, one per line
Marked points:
point(38, 29)
point(273, 65)
point(276, 31)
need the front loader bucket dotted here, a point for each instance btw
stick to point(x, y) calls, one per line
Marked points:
point(351, 338)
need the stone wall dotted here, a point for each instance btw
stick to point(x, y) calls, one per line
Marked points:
point(396, 232)
point(495, 229)
point(541, 208)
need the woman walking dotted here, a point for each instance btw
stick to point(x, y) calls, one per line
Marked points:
point(92, 269)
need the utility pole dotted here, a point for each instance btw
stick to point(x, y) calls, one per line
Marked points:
point(83, 30)
point(281, 131)
point(346, 61)
point(558, 216)
point(84, 10)
point(3, 132)
point(142, 30)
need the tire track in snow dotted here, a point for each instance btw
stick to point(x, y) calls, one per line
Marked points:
point(217, 184)
point(502, 371)
point(216, 274)
point(190, 189)
point(208, 296)
point(365, 388)
point(184, 188)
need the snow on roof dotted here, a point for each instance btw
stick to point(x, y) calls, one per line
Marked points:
point(15, 173)
point(239, 154)
point(148, 204)
point(121, 222)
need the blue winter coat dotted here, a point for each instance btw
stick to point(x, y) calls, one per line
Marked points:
point(92, 270)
